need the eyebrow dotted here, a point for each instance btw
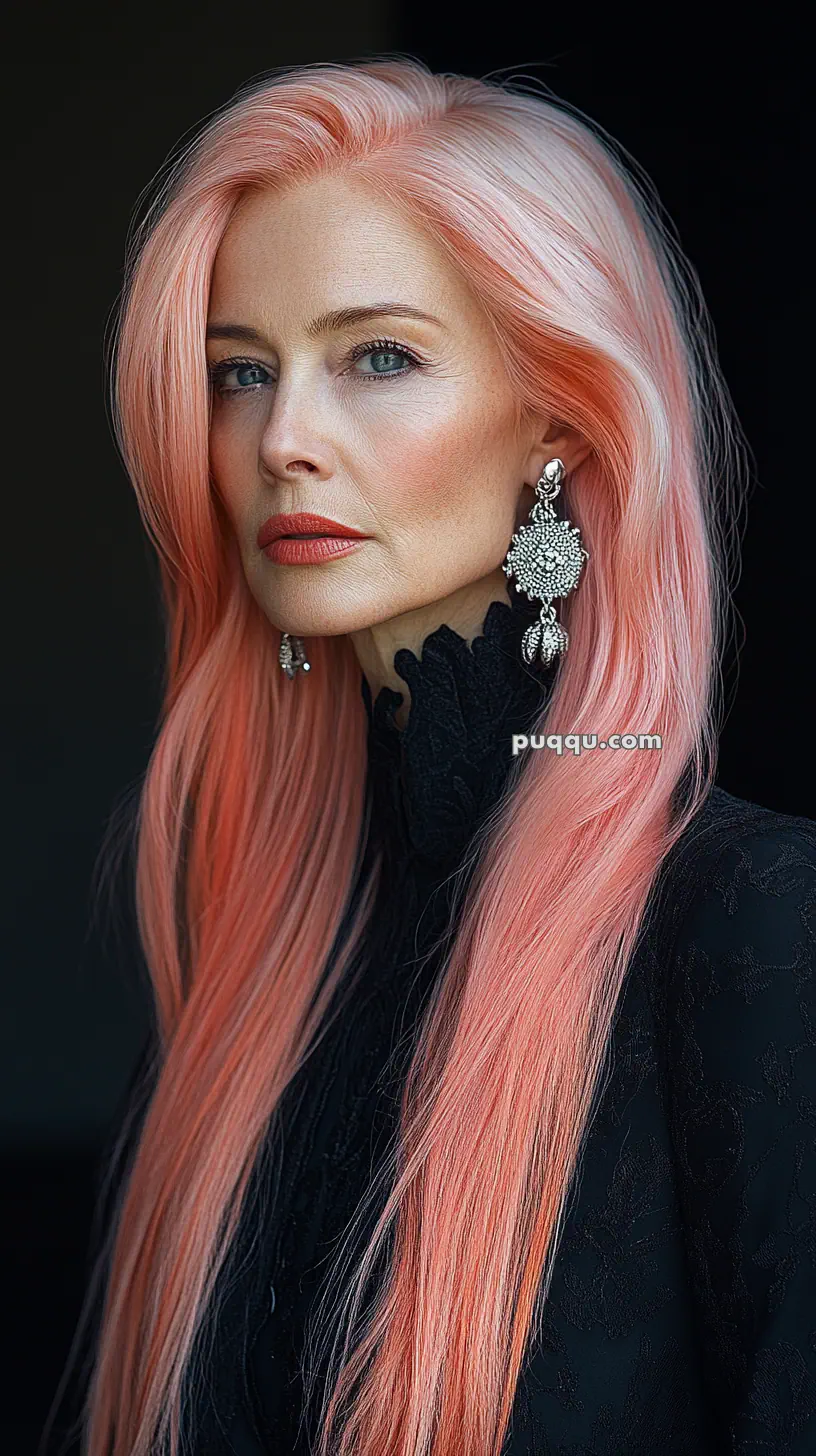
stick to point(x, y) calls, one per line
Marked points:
point(326, 323)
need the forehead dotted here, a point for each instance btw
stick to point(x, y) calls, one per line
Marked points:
point(330, 243)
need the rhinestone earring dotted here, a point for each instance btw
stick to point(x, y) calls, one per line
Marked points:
point(546, 558)
point(292, 655)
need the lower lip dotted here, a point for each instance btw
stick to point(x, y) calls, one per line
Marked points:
point(287, 551)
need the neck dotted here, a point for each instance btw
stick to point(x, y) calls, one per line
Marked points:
point(463, 611)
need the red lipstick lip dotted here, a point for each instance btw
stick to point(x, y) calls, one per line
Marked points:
point(303, 523)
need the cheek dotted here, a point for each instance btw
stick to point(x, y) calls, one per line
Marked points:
point(452, 477)
point(435, 478)
point(228, 464)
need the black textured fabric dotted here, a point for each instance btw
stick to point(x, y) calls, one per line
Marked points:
point(682, 1314)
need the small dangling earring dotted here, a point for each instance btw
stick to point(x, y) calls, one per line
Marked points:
point(546, 558)
point(292, 655)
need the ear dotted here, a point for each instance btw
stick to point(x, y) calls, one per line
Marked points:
point(559, 443)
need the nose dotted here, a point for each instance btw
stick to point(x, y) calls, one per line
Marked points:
point(286, 460)
point(290, 444)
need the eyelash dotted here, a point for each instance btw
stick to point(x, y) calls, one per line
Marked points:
point(222, 367)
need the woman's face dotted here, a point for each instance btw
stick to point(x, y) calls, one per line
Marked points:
point(400, 427)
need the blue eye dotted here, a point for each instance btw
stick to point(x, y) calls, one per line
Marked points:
point(248, 371)
point(218, 373)
point(386, 349)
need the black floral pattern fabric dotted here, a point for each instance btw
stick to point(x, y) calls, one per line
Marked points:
point(682, 1316)
point(681, 1319)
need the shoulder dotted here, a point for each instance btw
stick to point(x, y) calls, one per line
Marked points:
point(725, 821)
point(741, 876)
point(739, 900)
point(739, 981)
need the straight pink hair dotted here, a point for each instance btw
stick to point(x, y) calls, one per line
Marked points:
point(251, 809)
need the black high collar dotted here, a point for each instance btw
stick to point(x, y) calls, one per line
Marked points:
point(433, 781)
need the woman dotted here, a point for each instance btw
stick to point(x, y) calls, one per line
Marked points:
point(480, 1106)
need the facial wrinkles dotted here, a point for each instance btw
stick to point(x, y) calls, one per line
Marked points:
point(383, 419)
point(422, 462)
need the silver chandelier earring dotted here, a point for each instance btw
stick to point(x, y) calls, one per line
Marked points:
point(546, 558)
point(292, 655)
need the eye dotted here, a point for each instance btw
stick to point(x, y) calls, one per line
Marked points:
point(387, 349)
point(251, 376)
point(244, 369)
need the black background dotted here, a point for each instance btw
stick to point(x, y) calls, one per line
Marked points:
point(96, 98)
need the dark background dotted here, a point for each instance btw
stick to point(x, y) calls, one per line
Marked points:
point(96, 98)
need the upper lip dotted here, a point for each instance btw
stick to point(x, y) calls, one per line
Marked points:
point(302, 523)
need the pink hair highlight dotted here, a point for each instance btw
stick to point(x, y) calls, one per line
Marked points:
point(253, 799)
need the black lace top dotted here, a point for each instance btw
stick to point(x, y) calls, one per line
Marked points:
point(682, 1314)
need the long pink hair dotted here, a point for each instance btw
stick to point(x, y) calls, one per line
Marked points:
point(252, 804)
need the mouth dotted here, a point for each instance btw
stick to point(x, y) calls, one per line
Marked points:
point(304, 526)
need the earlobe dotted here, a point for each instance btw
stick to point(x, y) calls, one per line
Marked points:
point(524, 504)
